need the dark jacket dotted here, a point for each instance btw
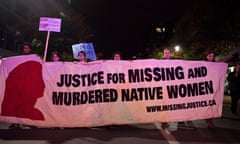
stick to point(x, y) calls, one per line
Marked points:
point(234, 82)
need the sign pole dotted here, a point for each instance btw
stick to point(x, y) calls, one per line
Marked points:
point(46, 47)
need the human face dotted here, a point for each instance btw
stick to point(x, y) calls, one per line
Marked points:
point(166, 54)
point(117, 57)
point(26, 49)
point(55, 58)
point(81, 57)
point(210, 57)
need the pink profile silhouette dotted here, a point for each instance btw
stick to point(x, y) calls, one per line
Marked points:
point(24, 85)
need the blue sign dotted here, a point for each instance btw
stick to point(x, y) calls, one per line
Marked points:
point(87, 48)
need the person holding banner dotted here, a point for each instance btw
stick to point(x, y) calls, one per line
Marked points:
point(210, 57)
point(117, 56)
point(82, 56)
point(234, 87)
point(167, 56)
point(26, 49)
point(55, 56)
point(166, 53)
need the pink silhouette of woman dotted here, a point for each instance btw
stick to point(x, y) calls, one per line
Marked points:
point(24, 85)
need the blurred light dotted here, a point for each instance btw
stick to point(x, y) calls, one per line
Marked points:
point(62, 14)
point(174, 30)
point(163, 29)
point(231, 69)
point(177, 48)
point(134, 57)
point(158, 29)
point(18, 33)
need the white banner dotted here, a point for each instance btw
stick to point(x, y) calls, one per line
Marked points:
point(66, 94)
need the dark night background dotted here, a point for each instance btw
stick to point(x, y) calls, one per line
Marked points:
point(124, 25)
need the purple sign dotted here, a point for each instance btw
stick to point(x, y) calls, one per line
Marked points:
point(50, 24)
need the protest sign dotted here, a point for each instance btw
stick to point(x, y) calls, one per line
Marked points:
point(87, 48)
point(49, 24)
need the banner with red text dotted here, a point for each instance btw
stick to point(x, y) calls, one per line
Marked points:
point(66, 94)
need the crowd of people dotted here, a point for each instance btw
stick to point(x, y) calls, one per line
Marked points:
point(233, 77)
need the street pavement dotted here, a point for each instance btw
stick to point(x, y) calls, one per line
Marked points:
point(193, 132)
